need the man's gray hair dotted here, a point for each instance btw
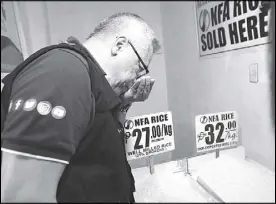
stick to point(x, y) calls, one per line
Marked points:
point(117, 22)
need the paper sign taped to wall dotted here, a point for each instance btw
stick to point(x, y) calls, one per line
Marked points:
point(230, 25)
point(216, 131)
point(149, 135)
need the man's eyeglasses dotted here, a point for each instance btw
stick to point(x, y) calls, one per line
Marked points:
point(142, 62)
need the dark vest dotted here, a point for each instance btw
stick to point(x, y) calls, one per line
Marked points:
point(99, 171)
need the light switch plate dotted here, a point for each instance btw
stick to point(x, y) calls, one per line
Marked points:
point(253, 73)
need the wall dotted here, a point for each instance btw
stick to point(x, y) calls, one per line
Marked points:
point(10, 24)
point(10, 44)
point(51, 22)
point(218, 83)
point(34, 21)
point(195, 85)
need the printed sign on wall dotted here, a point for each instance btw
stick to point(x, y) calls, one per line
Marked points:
point(216, 131)
point(149, 135)
point(230, 25)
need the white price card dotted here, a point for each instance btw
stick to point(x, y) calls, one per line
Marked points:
point(216, 131)
point(149, 135)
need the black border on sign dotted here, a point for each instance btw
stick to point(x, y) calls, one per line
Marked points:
point(230, 50)
point(236, 49)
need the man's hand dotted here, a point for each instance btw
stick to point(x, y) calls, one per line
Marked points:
point(139, 91)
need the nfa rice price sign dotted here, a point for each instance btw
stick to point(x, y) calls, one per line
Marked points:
point(230, 25)
point(216, 131)
point(149, 135)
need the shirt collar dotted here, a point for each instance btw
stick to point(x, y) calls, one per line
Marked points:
point(105, 97)
point(75, 41)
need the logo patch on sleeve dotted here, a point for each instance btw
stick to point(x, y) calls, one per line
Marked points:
point(44, 107)
point(10, 106)
point(30, 105)
point(17, 104)
point(58, 112)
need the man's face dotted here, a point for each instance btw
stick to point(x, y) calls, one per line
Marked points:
point(126, 66)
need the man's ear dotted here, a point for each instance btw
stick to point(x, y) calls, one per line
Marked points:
point(119, 45)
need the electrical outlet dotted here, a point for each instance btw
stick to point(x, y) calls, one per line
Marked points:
point(253, 73)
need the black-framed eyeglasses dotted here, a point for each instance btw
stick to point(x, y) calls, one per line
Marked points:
point(142, 62)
